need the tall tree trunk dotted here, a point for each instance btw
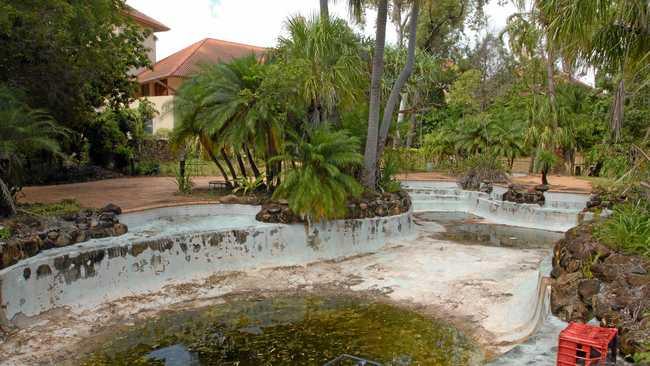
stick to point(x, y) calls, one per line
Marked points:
point(216, 162)
point(616, 122)
point(240, 162)
point(251, 162)
point(324, 9)
point(7, 205)
point(231, 168)
point(370, 156)
point(413, 120)
point(550, 80)
point(400, 82)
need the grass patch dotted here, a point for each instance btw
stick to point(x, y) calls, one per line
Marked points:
point(197, 168)
point(5, 233)
point(67, 206)
point(627, 229)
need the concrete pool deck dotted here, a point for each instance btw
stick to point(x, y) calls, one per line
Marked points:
point(491, 293)
point(139, 193)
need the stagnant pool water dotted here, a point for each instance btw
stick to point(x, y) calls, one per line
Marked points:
point(298, 330)
point(469, 229)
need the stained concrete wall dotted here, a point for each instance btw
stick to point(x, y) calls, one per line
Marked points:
point(559, 213)
point(101, 270)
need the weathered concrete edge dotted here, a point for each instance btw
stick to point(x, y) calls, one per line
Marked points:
point(500, 212)
point(94, 274)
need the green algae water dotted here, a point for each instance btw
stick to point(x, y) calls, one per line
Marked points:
point(288, 331)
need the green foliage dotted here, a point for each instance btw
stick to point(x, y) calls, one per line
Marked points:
point(184, 181)
point(318, 187)
point(24, 132)
point(628, 229)
point(324, 60)
point(68, 56)
point(481, 168)
point(391, 164)
point(5, 233)
point(67, 206)
point(249, 185)
point(147, 168)
point(115, 134)
point(545, 160)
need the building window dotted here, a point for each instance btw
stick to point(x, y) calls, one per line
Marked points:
point(160, 87)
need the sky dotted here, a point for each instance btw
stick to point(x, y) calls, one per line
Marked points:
point(255, 22)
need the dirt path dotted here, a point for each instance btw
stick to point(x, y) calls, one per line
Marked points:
point(147, 192)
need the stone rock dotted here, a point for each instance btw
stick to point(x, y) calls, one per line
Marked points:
point(117, 210)
point(231, 199)
point(120, 229)
point(53, 235)
point(588, 288)
point(63, 240)
point(519, 195)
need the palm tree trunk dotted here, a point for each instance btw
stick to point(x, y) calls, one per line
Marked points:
point(616, 121)
point(370, 156)
point(240, 162)
point(400, 82)
point(208, 150)
point(251, 162)
point(7, 205)
point(216, 162)
point(324, 9)
point(413, 119)
point(231, 168)
point(550, 80)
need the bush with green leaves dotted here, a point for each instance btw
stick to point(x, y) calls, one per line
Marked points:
point(627, 229)
point(318, 186)
point(24, 132)
point(480, 168)
point(545, 160)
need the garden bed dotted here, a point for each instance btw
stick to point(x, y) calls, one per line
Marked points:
point(369, 205)
point(593, 280)
point(42, 227)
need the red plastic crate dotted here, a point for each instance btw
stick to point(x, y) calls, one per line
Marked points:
point(586, 345)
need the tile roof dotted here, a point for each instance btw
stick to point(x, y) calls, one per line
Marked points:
point(188, 61)
point(146, 20)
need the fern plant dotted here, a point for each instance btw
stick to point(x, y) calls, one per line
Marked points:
point(318, 186)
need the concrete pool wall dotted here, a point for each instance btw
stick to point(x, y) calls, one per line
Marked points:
point(158, 252)
point(561, 211)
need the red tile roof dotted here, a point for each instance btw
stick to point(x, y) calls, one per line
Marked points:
point(188, 61)
point(146, 20)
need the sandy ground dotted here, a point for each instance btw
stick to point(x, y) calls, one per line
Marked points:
point(477, 288)
point(139, 193)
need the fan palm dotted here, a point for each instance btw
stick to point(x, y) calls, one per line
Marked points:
point(325, 57)
point(318, 187)
point(23, 131)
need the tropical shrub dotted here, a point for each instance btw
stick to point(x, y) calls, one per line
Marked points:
point(480, 168)
point(545, 160)
point(23, 133)
point(318, 186)
point(628, 229)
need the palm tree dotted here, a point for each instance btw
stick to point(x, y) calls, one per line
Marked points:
point(318, 187)
point(610, 35)
point(221, 107)
point(325, 60)
point(404, 75)
point(23, 132)
point(372, 139)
